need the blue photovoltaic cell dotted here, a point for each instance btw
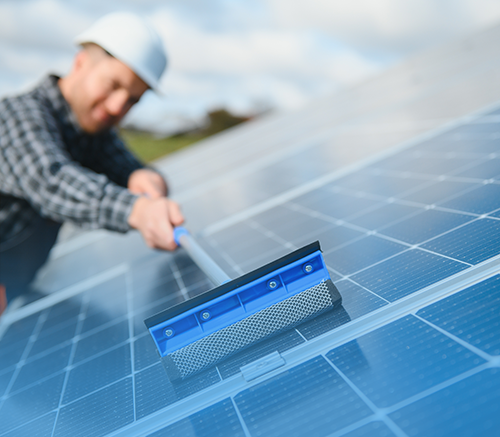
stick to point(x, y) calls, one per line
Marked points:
point(217, 420)
point(144, 352)
point(98, 372)
point(42, 426)
point(481, 200)
point(101, 340)
point(434, 164)
point(5, 378)
point(489, 169)
point(336, 205)
point(471, 314)
point(35, 401)
point(385, 186)
point(13, 342)
point(356, 300)
point(98, 413)
point(435, 192)
point(11, 355)
point(472, 243)
point(426, 225)
point(400, 360)
point(383, 216)
point(42, 367)
point(407, 273)
point(153, 389)
point(54, 338)
point(470, 407)
point(361, 254)
point(288, 404)
point(331, 237)
point(372, 429)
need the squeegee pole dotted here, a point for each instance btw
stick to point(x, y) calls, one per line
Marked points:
point(200, 257)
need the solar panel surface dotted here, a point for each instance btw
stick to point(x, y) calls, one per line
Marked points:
point(411, 240)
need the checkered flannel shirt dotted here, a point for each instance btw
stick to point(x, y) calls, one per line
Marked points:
point(49, 167)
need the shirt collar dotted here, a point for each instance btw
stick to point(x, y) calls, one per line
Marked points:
point(65, 114)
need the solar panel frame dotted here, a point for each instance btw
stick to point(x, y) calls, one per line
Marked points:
point(140, 391)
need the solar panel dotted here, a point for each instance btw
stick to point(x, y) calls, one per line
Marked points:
point(409, 235)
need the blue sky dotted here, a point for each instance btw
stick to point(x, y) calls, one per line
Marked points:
point(245, 55)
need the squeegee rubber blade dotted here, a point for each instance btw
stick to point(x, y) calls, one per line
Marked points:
point(270, 321)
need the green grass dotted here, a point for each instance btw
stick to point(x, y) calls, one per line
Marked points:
point(148, 148)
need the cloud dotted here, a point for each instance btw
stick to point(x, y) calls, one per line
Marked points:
point(391, 27)
point(244, 54)
point(283, 66)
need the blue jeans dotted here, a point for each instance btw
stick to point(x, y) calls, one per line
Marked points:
point(22, 257)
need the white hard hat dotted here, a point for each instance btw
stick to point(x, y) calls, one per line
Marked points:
point(130, 39)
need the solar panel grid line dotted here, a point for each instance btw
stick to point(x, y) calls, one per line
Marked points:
point(226, 257)
point(490, 360)
point(345, 221)
point(298, 354)
point(389, 313)
point(389, 238)
point(281, 148)
point(24, 356)
point(171, 414)
point(381, 235)
point(240, 417)
point(79, 327)
point(131, 334)
point(270, 234)
point(321, 344)
point(60, 296)
point(366, 422)
point(32, 339)
point(370, 196)
point(180, 281)
point(379, 413)
point(336, 174)
point(438, 387)
point(70, 367)
point(428, 180)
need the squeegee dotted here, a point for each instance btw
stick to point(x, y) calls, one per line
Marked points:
point(237, 313)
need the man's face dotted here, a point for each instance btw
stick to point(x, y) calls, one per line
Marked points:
point(105, 91)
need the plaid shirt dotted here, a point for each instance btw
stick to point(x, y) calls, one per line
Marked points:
point(50, 167)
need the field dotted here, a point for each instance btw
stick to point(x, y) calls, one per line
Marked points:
point(148, 147)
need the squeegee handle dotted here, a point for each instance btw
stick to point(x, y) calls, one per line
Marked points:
point(184, 239)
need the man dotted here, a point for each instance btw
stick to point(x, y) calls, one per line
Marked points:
point(60, 158)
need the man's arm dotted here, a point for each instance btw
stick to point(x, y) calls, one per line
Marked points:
point(37, 167)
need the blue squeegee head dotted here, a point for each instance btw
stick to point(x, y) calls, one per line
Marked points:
point(203, 331)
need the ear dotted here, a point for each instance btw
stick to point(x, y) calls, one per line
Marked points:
point(81, 58)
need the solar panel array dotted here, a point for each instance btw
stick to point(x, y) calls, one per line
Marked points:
point(411, 239)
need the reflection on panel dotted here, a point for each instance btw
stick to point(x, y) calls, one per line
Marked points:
point(390, 228)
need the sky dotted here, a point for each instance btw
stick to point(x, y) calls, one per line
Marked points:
point(247, 56)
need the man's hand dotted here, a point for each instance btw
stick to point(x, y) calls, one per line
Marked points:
point(147, 182)
point(155, 219)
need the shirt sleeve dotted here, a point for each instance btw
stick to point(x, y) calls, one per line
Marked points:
point(37, 167)
point(108, 155)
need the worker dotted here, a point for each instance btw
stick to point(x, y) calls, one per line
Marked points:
point(61, 159)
